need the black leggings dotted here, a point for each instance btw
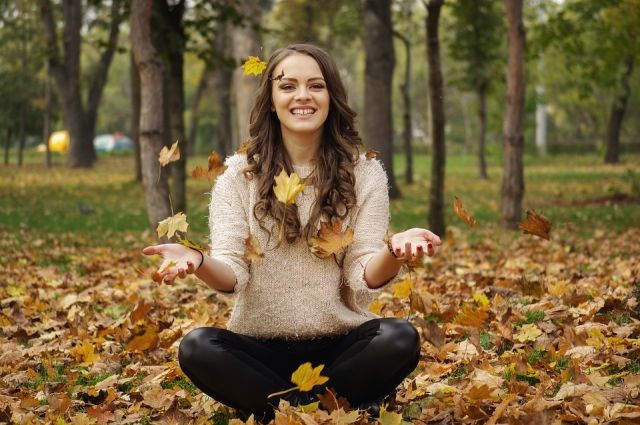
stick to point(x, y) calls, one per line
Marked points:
point(241, 371)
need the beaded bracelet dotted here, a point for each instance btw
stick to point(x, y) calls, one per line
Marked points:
point(392, 252)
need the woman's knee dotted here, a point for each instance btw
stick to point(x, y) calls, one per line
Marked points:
point(198, 343)
point(400, 336)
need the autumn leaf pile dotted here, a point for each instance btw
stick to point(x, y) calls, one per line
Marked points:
point(514, 330)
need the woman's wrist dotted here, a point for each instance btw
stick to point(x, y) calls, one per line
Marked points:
point(201, 258)
point(392, 251)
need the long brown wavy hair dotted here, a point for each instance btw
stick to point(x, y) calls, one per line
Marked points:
point(333, 174)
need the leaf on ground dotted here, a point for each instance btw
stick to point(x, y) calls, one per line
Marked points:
point(471, 316)
point(252, 251)
point(536, 224)
point(389, 418)
point(340, 417)
point(331, 239)
point(86, 353)
point(529, 332)
point(306, 376)
point(170, 225)
point(403, 288)
point(169, 155)
point(147, 341)
point(287, 187)
point(140, 311)
point(253, 66)
point(462, 212)
point(371, 154)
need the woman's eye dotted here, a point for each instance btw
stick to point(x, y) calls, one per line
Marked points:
point(317, 86)
point(286, 87)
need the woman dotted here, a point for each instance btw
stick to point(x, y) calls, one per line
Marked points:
point(294, 306)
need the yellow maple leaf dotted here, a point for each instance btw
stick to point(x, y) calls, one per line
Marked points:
point(376, 306)
point(170, 225)
point(86, 353)
point(403, 289)
point(191, 244)
point(168, 155)
point(252, 251)
point(471, 316)
point(340, 417)
point(287, 187)
point(307, 377)
point(481, 299)
point(254, 65)
point(331, 239)
point(389, 418)
point(529, 332)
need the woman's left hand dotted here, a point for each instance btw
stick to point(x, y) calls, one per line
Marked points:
point(415, 243)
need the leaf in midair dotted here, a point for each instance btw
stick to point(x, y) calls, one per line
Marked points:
point(371, 154)
point(306, 376)
point(170, 225)
point(462, 212)
point(215, 167)
point(253, 66)
point(331, 239)
point(287, 187)
point(252, 251)
point(403, 289)
point(536, 224)
point(168, 155)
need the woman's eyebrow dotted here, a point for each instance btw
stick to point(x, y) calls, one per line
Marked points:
point(295, 79)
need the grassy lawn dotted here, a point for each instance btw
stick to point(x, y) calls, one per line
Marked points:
point(105, 203)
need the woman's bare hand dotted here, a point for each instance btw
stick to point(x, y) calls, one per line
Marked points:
point(415, 243)
point(177, 261)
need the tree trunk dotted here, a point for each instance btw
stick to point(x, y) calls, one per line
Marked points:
point(135, 116)
point(482, 117)
point(46, 125)
point(616, 117)
point(150, 69)
point(174, 43)
point(405, 89)
point(21, 134)
point(195, 108)
point(100, 72)
point(380, 61)
point(436, 100)
point(513, 143)
point(222, 88)
point(246, 42)
point(7, 145)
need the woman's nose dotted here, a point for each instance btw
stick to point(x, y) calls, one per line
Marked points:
point(302, 93)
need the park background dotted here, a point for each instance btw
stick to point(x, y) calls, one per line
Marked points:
point(515, 327)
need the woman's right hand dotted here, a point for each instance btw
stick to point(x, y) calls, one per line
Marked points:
point(177, 261)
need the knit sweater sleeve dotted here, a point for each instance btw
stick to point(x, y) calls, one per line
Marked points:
point(228, 220)
point(370, 226)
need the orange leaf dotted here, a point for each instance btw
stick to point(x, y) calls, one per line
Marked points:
point(371, 154)
point(244, 147)
point(462, 213)
point(147, 341)
point(536, 224)
point(214, 168)
point(331, 239)
point(140, 311)
point(470, 316)
point(252, 250)
point(168, 155)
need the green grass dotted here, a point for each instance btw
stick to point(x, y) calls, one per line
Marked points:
point(105, 203)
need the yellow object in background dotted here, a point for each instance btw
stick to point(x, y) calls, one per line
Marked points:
point(59, 141)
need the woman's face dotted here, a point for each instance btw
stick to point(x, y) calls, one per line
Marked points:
point(300, 97)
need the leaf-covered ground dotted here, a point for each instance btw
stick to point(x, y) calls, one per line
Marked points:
point(512, 332)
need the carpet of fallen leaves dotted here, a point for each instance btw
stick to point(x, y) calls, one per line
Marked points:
point(514, 330)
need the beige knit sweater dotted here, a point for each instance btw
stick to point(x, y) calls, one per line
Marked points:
point(291, 293)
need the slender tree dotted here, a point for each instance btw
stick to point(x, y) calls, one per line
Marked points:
point(436, 101)
point(66, 70)
point(513, 139)
point(150, 68)
point(380, 61)
point(135, 116)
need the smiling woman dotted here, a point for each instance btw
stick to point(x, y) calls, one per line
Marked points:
point(297, 303)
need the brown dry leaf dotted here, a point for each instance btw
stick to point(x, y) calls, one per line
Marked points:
point(140, 311)
point(101, 414)
point(471, 316)
point(536, 224)
point(169, 155)
point(331, 402)
point(416, 302)
point(214, 168)
point(158, 397)
point(331, 239)
point(371, 154)
point(462, 212)
point(252, 251)
point(500, 409)
point(244, 147)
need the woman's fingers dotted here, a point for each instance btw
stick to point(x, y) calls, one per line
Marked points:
point(152, 250)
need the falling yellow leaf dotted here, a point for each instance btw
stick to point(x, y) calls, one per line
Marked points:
point(462, 212)
point(169, 226)
point(529, 332)
point(331, 239)
point(252, 251)
point(403, 289)
point(306, 376)
point(371, 154)
point(389, 418)
point(287, 187)
point(253, 65)
point(168, 155)
point(376, 306)
point(536, 224)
